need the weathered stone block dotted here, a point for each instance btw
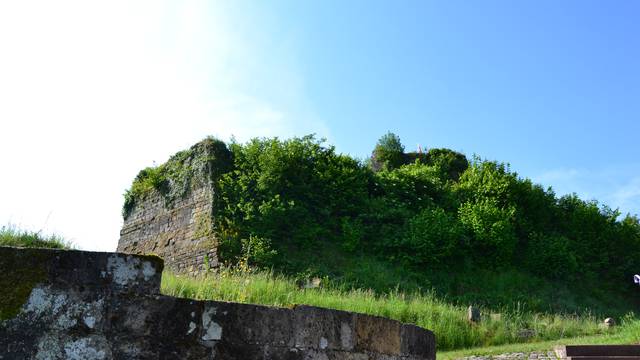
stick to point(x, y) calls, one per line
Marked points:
point(417, 341)
point(261, 324)
point(377, 334)
point(323, 328)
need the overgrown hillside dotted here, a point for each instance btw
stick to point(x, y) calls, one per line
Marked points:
point(472, 230)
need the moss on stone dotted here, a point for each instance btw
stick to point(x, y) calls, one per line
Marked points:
point(21, 272)
point(202, 164)
point(155, 258)
point(204, 226)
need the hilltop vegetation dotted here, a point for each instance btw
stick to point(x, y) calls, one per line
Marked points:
point(471, 229)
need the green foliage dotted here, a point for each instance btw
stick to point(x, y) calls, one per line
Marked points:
point(431, 238)
point(416, 186)
point(296, 191)
point(449, 162)
point(147, 180)
point(417, 221)
point(389, 152)
point(256, 250)
point(353, 233)
point(554, 251)
point(487, 180)
point(492, 229)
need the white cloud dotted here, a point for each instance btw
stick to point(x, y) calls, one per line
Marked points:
point(91, 92)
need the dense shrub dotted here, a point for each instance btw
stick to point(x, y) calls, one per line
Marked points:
point(449, 162)
point(550, 256)
point(492, 229)
point(295, 193)
point(432, 236)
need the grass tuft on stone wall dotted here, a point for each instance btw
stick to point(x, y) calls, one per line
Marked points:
point(11, 235)
point(17, 285)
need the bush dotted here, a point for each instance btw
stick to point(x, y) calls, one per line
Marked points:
point(451, 163)
point(550, 256)
point(494, 238)
point(296, 192)
point(432, 236)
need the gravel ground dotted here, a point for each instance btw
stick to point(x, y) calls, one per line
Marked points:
point(537, 355)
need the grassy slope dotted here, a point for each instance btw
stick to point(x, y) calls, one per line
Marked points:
point(460, 284)
point(446, 320)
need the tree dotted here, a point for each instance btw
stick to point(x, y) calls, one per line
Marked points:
point(388, 153)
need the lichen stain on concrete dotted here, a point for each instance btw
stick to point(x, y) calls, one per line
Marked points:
point(42, 300)
point(192, 327)
point(148, 271)
point(59, 346)
point(123, 269)
point(346, 338)
point(83, 349)
point(66, 321)
point(212, 331)
point(48, 348)
point(61, 312)
point(90, 321)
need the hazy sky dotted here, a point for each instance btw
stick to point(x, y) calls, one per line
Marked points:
point(91, 92)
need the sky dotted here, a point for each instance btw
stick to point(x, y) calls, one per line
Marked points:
point(91, 92)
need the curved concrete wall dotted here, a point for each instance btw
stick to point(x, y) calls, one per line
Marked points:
point(85, 305)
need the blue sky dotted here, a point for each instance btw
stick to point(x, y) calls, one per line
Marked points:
point(93, 92)
point(551, 87)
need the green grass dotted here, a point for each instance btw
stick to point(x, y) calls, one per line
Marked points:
point(628, 333)
point(10, 235)
point(446, 320)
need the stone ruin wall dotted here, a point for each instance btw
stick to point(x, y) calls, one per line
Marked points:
point(180, 233)
point(105, 306)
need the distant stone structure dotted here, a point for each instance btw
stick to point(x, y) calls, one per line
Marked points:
point(179, 233)
point(173, 219)
point(473, 314)
point(59, 304)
